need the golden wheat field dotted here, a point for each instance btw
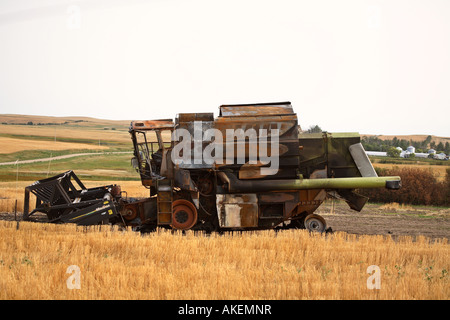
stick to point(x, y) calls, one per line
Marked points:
point(47, 261)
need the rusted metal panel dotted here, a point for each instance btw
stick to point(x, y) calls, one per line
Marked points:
point(237, 210)
point(183, 180)
point(139, 211)
point(309, 200)
point(277, 204)
point(147, 182)
point(152, 124)
point(277, 197)
point(262, 121)
point(238, 110)
point(195, 124)
point(190, 117)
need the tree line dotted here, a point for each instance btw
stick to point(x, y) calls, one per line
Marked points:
point(373, 143)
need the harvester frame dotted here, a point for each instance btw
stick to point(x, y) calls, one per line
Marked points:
point(212, 196)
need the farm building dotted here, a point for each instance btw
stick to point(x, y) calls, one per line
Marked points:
point(407, 153)
point(376, 153)
point(440, 156)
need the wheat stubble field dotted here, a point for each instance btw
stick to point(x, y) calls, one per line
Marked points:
point(292, 264)
point(37, 260)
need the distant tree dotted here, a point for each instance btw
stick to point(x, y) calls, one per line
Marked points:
point(403, 144)
point(440, 147)
point(393, 152)
point(395, 142)
point(427, 141)
point(314, 128)
point(447, 148)
point(385, 147)
point(30, 123)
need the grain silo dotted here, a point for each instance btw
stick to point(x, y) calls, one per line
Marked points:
point(411, 149)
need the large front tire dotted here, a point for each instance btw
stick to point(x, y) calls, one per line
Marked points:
point(184, 214)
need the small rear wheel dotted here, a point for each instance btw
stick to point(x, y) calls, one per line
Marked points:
point(315, 223)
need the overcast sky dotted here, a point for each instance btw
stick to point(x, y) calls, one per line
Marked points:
point(379, 67)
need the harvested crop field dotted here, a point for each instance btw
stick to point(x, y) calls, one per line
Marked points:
point(165, 265)
point(11, 145)
point(439, 171)
point(67, 132)
point(407, 244)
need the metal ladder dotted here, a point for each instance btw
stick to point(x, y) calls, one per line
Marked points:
point(164, 201)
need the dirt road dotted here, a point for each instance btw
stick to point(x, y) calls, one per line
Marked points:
point(431, 222)
point(66, 156)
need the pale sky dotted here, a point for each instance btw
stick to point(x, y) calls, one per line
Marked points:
point(379, 67)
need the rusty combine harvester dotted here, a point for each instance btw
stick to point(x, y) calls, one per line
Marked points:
point(232, 189)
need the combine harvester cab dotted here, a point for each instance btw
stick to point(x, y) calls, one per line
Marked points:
point(250, 168)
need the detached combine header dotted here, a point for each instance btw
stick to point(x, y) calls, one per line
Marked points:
point(65, 199)
point(249, 168)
